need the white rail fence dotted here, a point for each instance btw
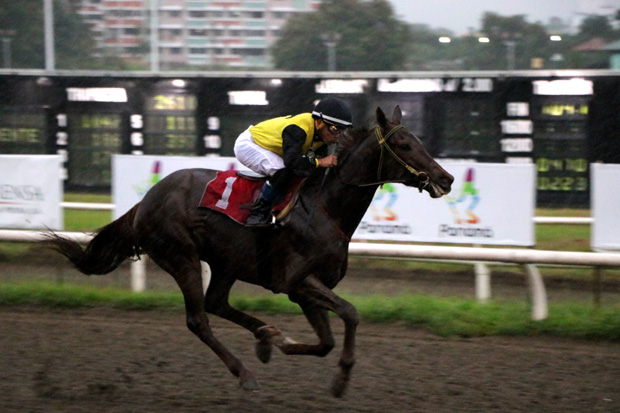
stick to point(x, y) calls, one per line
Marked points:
point(88, 206)
point(527, 258)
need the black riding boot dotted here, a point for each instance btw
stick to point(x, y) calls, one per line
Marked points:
point(260, 213)
point(273, 192)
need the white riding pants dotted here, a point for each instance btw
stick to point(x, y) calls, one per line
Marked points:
point(257, 158)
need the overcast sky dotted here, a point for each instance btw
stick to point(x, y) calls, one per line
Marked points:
point(460, 15)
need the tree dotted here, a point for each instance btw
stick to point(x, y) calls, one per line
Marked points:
point(513, 43)
point(425, 52)
point(596, 26)
point(72, 37)
point(368, 36)
point(592, 27)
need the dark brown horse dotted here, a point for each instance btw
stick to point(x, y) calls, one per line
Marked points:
point(304, 256)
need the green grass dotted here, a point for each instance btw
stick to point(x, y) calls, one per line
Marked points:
point(448, 317)
point(86, 221)
point(77, 220)
point(85, 197)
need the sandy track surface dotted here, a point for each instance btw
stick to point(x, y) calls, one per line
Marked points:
point(101, 359)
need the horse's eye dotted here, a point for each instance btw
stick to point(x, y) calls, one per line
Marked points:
point(404, 146)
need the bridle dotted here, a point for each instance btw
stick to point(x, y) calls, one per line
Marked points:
point(423, 179)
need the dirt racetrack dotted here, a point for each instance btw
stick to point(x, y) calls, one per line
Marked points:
point(104, 360)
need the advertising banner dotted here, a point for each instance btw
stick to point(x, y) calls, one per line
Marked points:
point(133, 176)
point(31, 192)
point(490, 204)
point(605, 204)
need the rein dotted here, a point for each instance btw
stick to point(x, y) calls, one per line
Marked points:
point(382, 140)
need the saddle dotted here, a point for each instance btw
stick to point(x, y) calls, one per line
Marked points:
point(234, 192)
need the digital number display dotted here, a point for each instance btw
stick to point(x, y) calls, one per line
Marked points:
point(99, 121)
point(562, 183)
point(92, 139)
point(172, 102)
point(168, 135)
point(564, 110)
point(22, 132)
point(561, 108)
point(564, 171)
point(170, 125)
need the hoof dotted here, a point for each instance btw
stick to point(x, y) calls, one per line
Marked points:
point(267, 336)
point(339, 386)
point(263, 351)
point(250, 385)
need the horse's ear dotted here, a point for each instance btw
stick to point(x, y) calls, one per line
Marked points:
point(381, 118)
point(397, 114)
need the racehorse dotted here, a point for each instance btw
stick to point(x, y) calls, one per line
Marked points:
point(304, 255)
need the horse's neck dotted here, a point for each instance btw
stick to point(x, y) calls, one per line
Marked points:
point(350, 206)
point(345, 205)
point(349, 189)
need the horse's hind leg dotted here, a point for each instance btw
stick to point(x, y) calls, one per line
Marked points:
point(187, 273)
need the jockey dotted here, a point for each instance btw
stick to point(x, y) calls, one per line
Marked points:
point(286, 147)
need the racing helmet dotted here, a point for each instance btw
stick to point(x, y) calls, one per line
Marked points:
point(333, 110)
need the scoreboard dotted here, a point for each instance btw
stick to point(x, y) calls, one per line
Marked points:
point(561, 122)
point(560, 148)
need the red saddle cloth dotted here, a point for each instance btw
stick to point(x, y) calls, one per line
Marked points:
point(234, 194)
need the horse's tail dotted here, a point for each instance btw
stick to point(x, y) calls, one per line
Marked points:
point(112, 245)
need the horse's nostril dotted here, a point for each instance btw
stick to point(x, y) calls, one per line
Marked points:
point(447, 181)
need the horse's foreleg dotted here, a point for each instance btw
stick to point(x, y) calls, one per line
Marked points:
point(319, 320)
point(189, 279)
point(315, 292)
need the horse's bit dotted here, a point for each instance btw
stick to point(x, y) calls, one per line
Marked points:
point(424, 179)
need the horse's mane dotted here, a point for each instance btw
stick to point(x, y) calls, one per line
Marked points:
point(352, 138)
point(347, 143)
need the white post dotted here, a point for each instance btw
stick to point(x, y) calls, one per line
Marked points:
point(483, 282)
point(138, 275)
point(537, 292)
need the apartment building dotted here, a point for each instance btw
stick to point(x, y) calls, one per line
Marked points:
point(200, 33)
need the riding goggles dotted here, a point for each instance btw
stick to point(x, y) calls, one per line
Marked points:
point(334, 129)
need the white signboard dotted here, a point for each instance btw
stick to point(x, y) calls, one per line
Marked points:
point(31, 192)
point(133, 176)
point(605, 202)
point(489, 204)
